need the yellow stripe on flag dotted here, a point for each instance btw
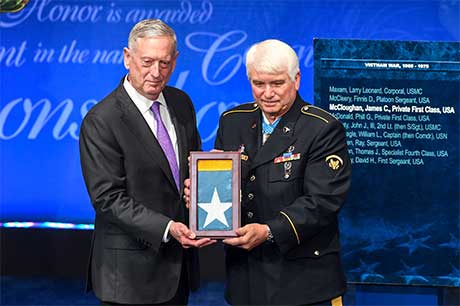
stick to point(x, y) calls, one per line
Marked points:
point(214, 164)
point(337, 301)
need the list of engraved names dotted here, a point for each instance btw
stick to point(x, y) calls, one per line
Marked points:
point(400, 126)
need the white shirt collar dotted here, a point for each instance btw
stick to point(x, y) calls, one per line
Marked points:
point(265, 118)
point(142, 103)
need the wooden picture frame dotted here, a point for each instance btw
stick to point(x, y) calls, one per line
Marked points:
point(215, 183)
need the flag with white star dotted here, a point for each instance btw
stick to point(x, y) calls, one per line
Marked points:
point(214, 195)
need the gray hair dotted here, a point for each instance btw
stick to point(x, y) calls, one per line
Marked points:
point(150, 28)
point(272, 56)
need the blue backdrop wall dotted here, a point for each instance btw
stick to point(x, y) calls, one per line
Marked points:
point(58, 58)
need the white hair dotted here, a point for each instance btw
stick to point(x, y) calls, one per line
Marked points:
point(151, 28)
point(272, 56)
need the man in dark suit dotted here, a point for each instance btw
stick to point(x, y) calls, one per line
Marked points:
point(295, 176)
point(134, 146)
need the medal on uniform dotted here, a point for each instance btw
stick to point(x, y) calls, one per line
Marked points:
point(241, 150)
point(288, 156)
point(287, 169)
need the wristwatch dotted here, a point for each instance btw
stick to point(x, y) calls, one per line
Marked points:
point(270, 237)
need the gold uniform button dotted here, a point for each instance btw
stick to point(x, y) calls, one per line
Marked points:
point(250, 196)
point(252, 178)
point(316, 253)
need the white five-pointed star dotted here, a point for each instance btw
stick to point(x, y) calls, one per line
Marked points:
point(216, 209)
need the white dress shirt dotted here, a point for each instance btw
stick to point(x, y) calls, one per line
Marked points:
point(144, 105)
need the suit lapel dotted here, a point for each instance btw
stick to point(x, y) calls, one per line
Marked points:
point(281, 138)
point(248, 140)
point(136, 123)
point(252, 137)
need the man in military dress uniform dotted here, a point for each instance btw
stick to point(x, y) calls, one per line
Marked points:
point(295, 176)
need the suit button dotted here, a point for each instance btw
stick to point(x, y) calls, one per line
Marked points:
point(250, 214)
point(316, 253)
point(250, 196)
point(252, 178)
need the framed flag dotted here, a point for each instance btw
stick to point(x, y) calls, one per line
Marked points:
point(215, 194)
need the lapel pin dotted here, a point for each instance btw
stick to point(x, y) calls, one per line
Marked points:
point(253, 125)
point(241, 150)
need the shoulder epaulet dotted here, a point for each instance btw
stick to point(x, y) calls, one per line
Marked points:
point(243, 108)
point(317, 112)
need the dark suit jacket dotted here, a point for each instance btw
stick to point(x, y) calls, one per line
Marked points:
point(134, 196)
point(299, 199)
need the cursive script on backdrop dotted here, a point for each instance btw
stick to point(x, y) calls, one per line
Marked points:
point(52, 11)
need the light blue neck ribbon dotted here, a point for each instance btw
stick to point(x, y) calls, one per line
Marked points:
point(268, 128)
